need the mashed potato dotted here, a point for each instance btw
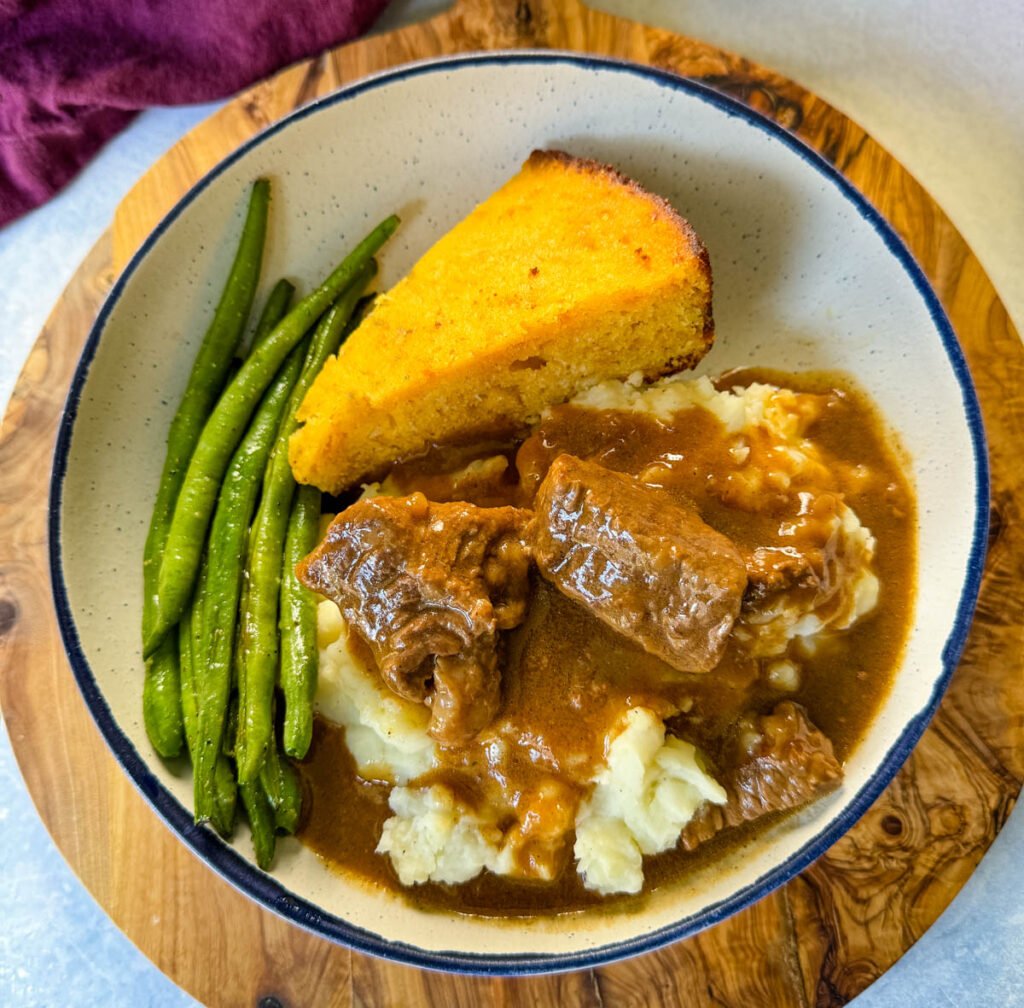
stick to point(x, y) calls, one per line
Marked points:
point(386, 734)
point(649, 785)
point(768, 629)
point(433, 836)
point(782, 412)
point(648, 790)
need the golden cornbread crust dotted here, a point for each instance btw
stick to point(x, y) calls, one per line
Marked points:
point(682, 362)
point(570, 274)
point(660, 204)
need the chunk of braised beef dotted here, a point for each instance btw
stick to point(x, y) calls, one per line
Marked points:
point(811, 565)
point(781, 761)
point(428, 586)
point(644, 564)
point(773, 570)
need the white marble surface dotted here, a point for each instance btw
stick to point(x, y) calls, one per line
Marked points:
point(938, 83)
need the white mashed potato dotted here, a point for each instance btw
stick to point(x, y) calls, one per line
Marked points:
point(648, 790)
point(433, 836)
point(650, 786)
point(781, 411)
point(386, 734)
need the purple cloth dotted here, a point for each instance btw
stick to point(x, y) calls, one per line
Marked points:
point(74, 72)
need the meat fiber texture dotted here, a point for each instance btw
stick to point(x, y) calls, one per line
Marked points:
point(386, 733)
point(428, 586)
point(642, 563)
point(432, 835)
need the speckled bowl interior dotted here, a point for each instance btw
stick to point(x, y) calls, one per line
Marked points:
point(807, 276)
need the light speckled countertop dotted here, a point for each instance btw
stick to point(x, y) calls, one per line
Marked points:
point(939, 83)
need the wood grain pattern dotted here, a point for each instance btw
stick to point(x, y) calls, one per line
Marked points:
point(820, 940)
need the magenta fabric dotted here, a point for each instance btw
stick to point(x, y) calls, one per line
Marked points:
point(74, 72)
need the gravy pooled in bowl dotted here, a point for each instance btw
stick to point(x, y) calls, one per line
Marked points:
point(567, 669)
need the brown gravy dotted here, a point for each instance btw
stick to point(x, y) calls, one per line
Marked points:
point(562, 651)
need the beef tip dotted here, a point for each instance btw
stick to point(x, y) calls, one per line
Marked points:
point(643, 563)
point(782, 762)
point(428, 587)
point(809, 564)
point(771, 570)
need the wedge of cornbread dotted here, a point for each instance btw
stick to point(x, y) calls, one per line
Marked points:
point(570, 274)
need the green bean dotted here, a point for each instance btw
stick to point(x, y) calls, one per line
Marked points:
point(283, 789)
point(261, 822)
point(195, 618)
point(161, 689)
point(189, 711)
point(231, 726)
point(278, 301)
point(224, 429)
point(243, 540)
point(161, 699)
point(297, 613)
point(259, 617)
point(228, 535)
point(221, 811)
point(206, 379)
point(226, 797)
point(299, 658)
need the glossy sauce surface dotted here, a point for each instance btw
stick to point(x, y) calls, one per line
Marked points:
point(567, 676)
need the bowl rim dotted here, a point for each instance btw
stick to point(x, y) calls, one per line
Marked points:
point(267, 890)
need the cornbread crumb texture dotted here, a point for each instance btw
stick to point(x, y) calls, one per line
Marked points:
point(570, 274)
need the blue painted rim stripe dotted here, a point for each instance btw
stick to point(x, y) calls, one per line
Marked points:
point(263, 888)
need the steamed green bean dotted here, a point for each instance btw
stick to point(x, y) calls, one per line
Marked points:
point(226, 550)
point(161, 689)
point(259, 643)
point(224, 429)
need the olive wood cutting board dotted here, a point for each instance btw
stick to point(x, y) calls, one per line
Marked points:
point(819, 940)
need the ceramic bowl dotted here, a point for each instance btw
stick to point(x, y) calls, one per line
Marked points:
point(807, 276)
